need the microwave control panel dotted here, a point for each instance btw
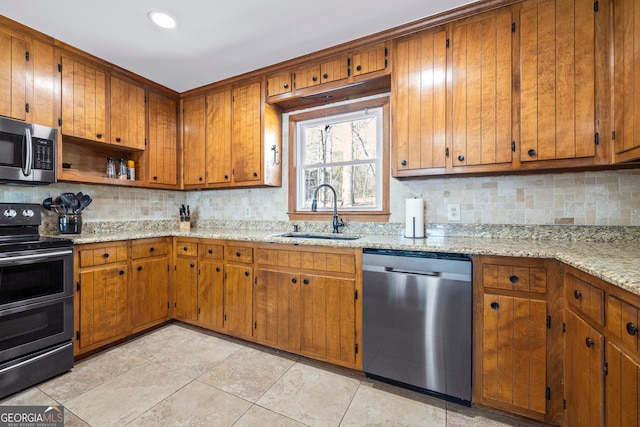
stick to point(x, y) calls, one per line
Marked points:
point(43, 154)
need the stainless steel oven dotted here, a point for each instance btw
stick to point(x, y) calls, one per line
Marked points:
point(36, 300)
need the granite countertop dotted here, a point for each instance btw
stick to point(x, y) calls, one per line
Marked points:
point(614, 261)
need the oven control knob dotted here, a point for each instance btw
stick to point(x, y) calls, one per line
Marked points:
point(27, 213)
point(10, 213)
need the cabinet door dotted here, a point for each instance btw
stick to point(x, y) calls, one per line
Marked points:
point(306, 76)
point(186, 280)
point(246, 150)
point(13, 75)
point(83, 101)
point(210, 293)
point(150, 293)
point(557, 80)
point(419, 102)
point(127, 114)
point(334, 69)
point(103, 305)
point(277, 309)
point(481, 90)
point(218, 137)
point(514, 351)
point(626, 111)
point(193, 140)
point(278, 84)
point(583, 371)
point(370, 59)
point(43, 103)
point(161, 150)
point(328, 318)
point(623, 398)
point(238, 300)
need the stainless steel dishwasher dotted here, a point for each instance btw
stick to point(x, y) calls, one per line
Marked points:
point(417, 321)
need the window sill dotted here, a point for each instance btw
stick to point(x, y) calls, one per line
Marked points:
point(347, 216)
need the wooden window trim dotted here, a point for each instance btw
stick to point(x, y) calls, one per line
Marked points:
point(373, 216)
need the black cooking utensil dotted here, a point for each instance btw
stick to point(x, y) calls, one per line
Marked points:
point(47, 203)
point(83, 203)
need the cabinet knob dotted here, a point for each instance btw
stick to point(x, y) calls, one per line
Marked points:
point(210, 251)
point(495, 305)
point(226, 177)
point(305, 281)
point(121, 272)
point(294, 280)
point(286, 85)
point(199, 178)
point(632, 329)
point(246, 273)
point(314, 78)
point(118, 139)
point(139, 268)
point(218, 269)
point(577, 294)
point(403, 162)
point(238, 254)
point(461, 158)
point(358, 68)
point(514, 279)
point(531, 152)
point(185, 249)
point(589, 342)
point(105, 256)
point(325, 76)
point(191, 265)
point(155, 178)
point(151, 249)
point(99, 135)
point(255, 174)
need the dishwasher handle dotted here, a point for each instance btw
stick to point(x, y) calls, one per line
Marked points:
point(401, 271)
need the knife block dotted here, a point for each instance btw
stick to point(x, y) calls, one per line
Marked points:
point(185, 225)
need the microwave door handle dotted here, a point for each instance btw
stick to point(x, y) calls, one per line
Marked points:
point(27, 152)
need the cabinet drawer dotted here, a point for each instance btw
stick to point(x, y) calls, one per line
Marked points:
point(622, 321)
point(584, 297)
point(104, 255)
point(149, 249)
point(514, 277)
point(211, 251)
point(186, 248)
point(239, 254)
point(321, 261)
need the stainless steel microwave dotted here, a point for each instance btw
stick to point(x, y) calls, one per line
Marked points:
point(27, 153)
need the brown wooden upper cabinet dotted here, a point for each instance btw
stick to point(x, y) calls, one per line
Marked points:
point(127, 114)
point(370, 59)
point(328, 71)
point(557, 80)
point(218, 137)
point(28, 75)
point(83, 100)
point(162, 147)
point(626, 111)
point(278, 84)
point(193, 141)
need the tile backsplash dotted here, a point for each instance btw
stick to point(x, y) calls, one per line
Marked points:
point(582, 198)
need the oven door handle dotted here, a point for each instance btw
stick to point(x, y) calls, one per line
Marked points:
point(33, 359)
point(14, 258)
point(27, 152)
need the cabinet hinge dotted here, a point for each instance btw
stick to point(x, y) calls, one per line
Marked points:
point(78, 335)
point(613, 135)
point(355, 294)
point(78, 286)
point(59, 68)
point(548, 322)
point(447, 45)
point(168, 305)
point(386, 52)
point(513, 146)
point(255, 280)
point(564, 327)
point(356, 348)
point(595, 6)
point(446, 152)
point(225, 317)
point(548, 393)
point(597, 138)
point(26, 55)
point(168, 268)
point(198, 310)
point(145, 99)
point(26, 107)
point(59, 121)
point(564, 404)
point(145, 142)
point(513, 27)
point(255, 325)
point(175, 304)
point(386, 63)
point(606, 368)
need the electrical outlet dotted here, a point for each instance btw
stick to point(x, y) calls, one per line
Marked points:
point(247, 211)
point(453, 211)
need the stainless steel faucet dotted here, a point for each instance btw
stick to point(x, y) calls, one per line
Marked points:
point(314, 207)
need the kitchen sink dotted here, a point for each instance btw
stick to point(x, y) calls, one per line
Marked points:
point(317, 236)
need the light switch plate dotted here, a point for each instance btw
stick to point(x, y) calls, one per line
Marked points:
point(247, 211)
point(453, 211)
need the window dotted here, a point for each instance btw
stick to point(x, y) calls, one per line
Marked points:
point(345, 147)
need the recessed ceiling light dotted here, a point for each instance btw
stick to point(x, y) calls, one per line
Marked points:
point(162, 19)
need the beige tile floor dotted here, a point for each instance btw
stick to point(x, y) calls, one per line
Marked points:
point(183, 376)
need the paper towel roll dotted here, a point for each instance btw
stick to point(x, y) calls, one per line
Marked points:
point(415, 219)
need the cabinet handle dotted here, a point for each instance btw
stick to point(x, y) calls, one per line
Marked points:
point(632, 329)
point(531, 152)
point(121, 272)
point(139, 268)
point(118, 139)
point(358, 68)
point(495, 305)
point(514, 279)
point(286, 86)
point(314, 78)
point(218, 269)
point(155, 178)
point(589, 342)
point(238, 254)
point(199, 178)
point(294, 280)
point(191, 265)
point(246, 273)
point(255, 174)
point(151, 249)
point(461, 158)
point(403, 162)
point(226, 177)
point(105, 256)
point(99, 135)
point(210, 251)
point(325, 76)
point(185, 249)
point(577, 294)
point(305, 281)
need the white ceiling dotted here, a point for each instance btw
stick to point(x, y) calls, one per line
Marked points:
point(213, 40)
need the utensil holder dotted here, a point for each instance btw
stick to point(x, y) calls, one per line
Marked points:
point(70, 223)
point(185, 225)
